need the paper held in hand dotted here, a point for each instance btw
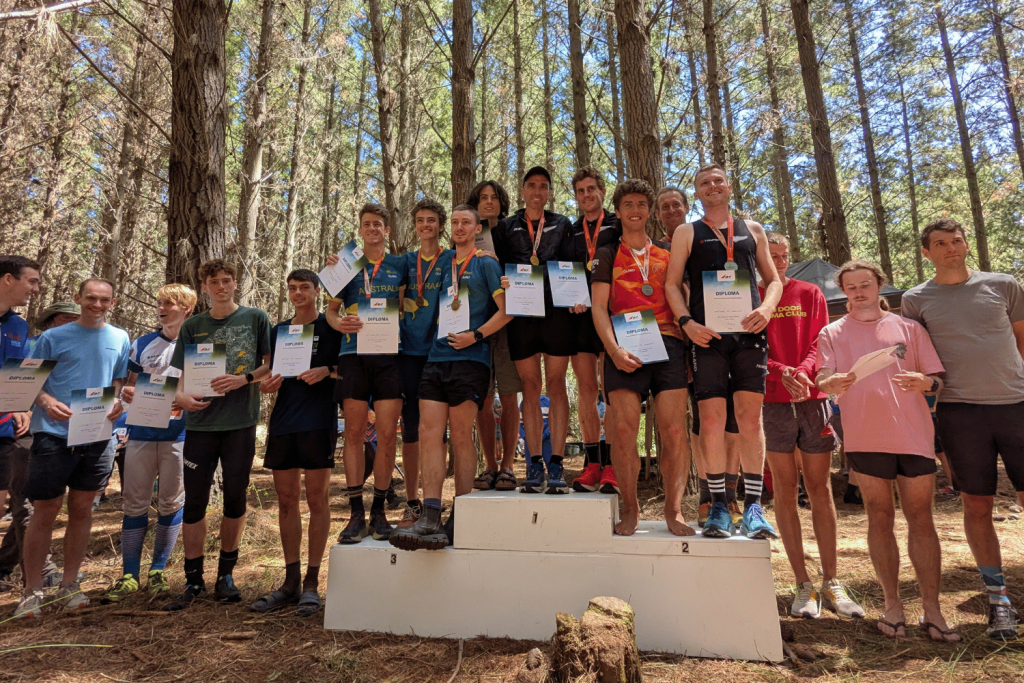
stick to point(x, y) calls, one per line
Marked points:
point(870, 363)
point(89, 409)
point(350, 261)
point(453, 321)
point(568, 284)
point(638, 333)
point(525, 294)
point(727, 299)
point(484, 240)
point(203, 363)
point(21, 380)
point(379, 333)
point(152, 404)
point(293, 351)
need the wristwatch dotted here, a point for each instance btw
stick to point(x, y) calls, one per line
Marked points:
point(478, 335)
point(683, 320)
point(249, 378)
point(935, 385)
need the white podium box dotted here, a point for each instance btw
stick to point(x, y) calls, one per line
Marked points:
point(693, 596)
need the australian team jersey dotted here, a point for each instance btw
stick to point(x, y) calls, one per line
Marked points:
point(391, 276)
point(419, 323)
point(483, 279)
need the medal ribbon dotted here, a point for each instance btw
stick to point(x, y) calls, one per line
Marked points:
point(645, 266)
point(592, 243)
point(368, 279)
point(540, 231)
point(419, 271)
point(728, 243)
point(457, 280)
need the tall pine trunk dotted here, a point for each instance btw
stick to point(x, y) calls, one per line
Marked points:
point(730, 137)
point(324, 245)
point(1011, 101)
point(911, 183)
point(691, 63)
point(463, 135)
point(614, 85)
point(549, 118)
point(386, 101)
point(581, 125)
point(517, 57)
point(714, 95)
point(643, 137)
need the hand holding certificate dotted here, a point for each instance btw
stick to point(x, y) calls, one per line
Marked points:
point(451, 320)
point(727, 299)
point(153, 401)
point(203, 364)
point(379, 333)
point(568, 284)
point(870, 363)
point(89, 411)
point(350, 261)
point(525, 293)
point(638, 333)
point(293, 351)
point(21, 380)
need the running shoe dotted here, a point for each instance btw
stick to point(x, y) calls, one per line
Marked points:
point(734, 512)
point(225, 589)
point(1002, 622)
point(71, 597)
point(449, 528)
point(156, 582)
point(31, 605)
point(589, 479)
point(806, 605)
point(835, 598)
point(355, 530)
point(412, 513)
point(718, 524)
point(703, 510)
point(755, 525)
point(535, 481)
point(379, 525)
point(427, 533)
point(556, 484)
point(609, 484)
point(186, 598)
point(394, 500)
point(121, 589)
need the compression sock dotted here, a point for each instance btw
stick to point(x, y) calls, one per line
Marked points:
point(167, 529)
point(731, 481)
point(355, 500)
point(593, 452)
point(716, 485)
point(704, 492)
point(133, 537)
point(379, 497)
point(556, 460)
point(292, 577)
point(995, 585)
point(534, 459)
point(606, 454)
point(752, 484)
point(226, 563)
point(312, 581)
point(194, 571)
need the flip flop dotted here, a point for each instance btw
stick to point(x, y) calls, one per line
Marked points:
point(272, 602)
point(485, 482)
point(309, 604)
point(928, 626)
point(895, 628)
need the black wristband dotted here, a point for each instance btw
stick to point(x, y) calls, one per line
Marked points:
point(935, 385)
point(683, 320)
point(478, 335)
point(249, 377)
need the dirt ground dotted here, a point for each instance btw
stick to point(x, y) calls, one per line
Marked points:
point(211, 642)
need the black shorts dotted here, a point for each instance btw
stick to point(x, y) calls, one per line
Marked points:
point(804, 425)
point(889, 465)
point(412, 372)
point(361, 378)
point(555, 334)
point(312, 450)
point(975, 437)
point(653, 377)
point(736, 362)
point(6, 448)
point(455, 381)
point(589, 341)
point(55, 467)
point(234, 449)
point(730, 414)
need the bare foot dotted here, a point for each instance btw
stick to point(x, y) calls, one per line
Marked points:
point(938, 630)
point(677, 524)
point(891, 623)
point(627, 525)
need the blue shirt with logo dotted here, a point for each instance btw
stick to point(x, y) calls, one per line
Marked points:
point(13, 344)
point(483, 278)
point(391, 275)
point(151, 353)
point(419, 325)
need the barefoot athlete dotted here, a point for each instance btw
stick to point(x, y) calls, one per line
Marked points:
point(888, 437)
point(456, 378)
point(362, 376)
point(630, 277)
point(301, 438)
point(726, 253)
point(220, 427)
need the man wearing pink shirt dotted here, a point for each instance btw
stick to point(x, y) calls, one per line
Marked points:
point(888, 436)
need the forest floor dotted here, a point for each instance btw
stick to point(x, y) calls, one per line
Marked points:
point(212, 642)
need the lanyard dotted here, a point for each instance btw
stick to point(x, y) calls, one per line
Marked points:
point(368, 279)
point(535, 260)
point(728, 244)
point(644, 267)
point(592, 243)
point(419, 273)
point(457, 279)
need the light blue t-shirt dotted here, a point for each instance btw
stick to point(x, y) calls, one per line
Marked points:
point(419, 325)
point(483, 278)
point(86, 358)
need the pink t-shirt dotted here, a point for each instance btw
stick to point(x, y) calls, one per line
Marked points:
point(878, 416)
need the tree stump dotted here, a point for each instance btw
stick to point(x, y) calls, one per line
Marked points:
point(600, 647)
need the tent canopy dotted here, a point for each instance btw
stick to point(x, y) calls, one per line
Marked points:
point(823, 274)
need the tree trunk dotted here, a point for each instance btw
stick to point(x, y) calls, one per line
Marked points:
point(517, 57)
point(911, 184)
point(601, 646)
point(1011, 101)
point(581, 124)
point(251, 174)
point(483, 112)
point(463, 134)
point(698, 122)
point(199, 117)
point(714, 96)
point(980, 235)
point(783, 179)
point(402, 235)
point(549, 141)
point(614, 85)
point(386, 101)
point(833, 220)
point(734, 155)
point(643, 138)
point(323, 248)
point(877, 208)
point(357, 162)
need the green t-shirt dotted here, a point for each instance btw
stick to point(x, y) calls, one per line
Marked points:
point(246, 334)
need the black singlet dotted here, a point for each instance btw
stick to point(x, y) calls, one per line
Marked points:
point(708, 253)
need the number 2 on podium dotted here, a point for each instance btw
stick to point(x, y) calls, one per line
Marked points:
point(686, 548)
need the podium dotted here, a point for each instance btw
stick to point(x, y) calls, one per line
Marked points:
point(520, 558)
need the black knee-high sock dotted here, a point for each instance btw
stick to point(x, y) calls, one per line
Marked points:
point(556, 460)
point(593, 452)
point(752, 484)
point(194, 571)
point(292, 577)
point(355, 500)
point(226, 562)
point(379, 496)
point(606, 454)
point(716, 484)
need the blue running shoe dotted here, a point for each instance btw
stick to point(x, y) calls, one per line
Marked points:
point(535, 482)
point(556, 484)
point(755, 525)
point(719, 523)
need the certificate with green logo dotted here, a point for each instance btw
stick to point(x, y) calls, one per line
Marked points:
point(525, 295)
point(727, 299)
point(21, 380)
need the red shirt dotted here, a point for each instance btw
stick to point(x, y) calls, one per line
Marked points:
point(793, 337)
point(614, 265)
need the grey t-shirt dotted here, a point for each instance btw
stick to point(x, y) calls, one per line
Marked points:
point(971, 327)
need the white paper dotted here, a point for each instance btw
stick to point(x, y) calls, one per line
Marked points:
point(21, 380)
point(525, 294)
point(449, 321)
point(203, 363)
point(293, 351)
point(727, 299)
point(350, 262)
point(379, 333)
point(484, 240)
point(870, 363)
point(89, 409)
point(638, 333)
point(151, 405)
point(568, 284)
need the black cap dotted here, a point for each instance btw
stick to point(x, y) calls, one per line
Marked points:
point(537, 170)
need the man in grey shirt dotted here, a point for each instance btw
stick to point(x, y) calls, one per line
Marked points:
point(976, 322)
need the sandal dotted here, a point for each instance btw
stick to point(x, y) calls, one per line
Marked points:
point(309, 604)
point(506, 481)
point(485, 482)
point(272, 602)
point(945, 634)
point(895, 628)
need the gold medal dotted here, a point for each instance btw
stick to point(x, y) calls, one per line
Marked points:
point(590, 264)
point(455, 304)
point(535, 260)
point(421, 302)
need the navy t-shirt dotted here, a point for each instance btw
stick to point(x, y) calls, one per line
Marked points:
point(302, 407)
point(483, 279)
point(391, 276)
point(419, 325)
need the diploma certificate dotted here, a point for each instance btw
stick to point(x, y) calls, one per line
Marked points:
point(151, 406)
point(89, 408)
point(484, 240)
point(379, 333)
point(449, 321)
point(525, 295)
point(203, 363)
point(293, 351)
point(638, 333)
point(21, 380)
point(350, 262)
point(726, 299)
point(568, 284)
